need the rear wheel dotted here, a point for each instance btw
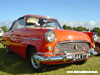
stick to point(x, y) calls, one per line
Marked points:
point(35, 63)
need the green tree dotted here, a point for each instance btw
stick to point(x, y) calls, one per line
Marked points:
point(97, 30)
point(67, 27)
point(80, 28)
point(4, 28)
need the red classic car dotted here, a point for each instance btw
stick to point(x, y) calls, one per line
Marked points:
point(42, 41)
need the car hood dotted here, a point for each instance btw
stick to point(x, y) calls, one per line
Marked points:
point(68, 35)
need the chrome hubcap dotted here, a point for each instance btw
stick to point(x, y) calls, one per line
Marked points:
point(35, 62)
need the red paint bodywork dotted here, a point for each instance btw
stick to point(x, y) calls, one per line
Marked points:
point(18, 45)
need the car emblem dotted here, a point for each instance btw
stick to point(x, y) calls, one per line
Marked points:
point(76, 47)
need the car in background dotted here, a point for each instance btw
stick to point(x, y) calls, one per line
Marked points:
point(95, 42)
point(43, 42)
point(97, 46)
point(1, 33)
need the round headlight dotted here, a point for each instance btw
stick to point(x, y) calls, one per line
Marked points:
point(95, 37)
point(50, 35)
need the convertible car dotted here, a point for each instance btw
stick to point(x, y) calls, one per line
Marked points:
point(42, 41)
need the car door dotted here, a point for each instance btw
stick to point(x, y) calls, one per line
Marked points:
point(16, 35)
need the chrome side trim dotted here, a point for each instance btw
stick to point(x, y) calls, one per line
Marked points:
point(25, 38)
point(32, 38)
point(45, 53)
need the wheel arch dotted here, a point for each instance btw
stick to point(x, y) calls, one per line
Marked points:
point(28, 49)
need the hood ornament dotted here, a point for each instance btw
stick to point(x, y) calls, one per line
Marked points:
point(76, 47)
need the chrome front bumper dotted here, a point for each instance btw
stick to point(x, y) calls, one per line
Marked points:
point(62, 58)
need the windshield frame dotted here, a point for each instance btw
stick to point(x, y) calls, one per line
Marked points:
point(58, 26)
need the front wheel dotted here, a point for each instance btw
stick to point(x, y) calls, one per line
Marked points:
point(36, 64)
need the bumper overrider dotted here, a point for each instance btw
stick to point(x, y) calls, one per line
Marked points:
point(64, 58)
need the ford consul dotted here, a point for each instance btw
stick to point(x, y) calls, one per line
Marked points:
point(42, 41)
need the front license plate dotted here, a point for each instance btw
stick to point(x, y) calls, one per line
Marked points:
point(79, 56)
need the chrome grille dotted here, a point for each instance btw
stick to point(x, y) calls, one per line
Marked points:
point(71, 47)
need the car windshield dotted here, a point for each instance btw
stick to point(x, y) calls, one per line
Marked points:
point(45, 23)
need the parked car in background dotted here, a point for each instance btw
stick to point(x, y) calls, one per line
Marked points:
point(95, 42)
point(42, 41)
point(97, 46)
point(1, 33)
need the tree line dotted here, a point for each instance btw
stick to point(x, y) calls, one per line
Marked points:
point(80, 28)
point(4, 28)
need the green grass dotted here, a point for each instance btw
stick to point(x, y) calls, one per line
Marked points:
point(12, 64)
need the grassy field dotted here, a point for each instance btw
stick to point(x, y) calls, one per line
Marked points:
point(11, 64)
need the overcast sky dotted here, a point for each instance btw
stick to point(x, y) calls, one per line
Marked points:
point(70, 12)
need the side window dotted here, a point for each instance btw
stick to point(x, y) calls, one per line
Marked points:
point(21, 23)
point(15, 26)
point(18, 24)
point(11, 28)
